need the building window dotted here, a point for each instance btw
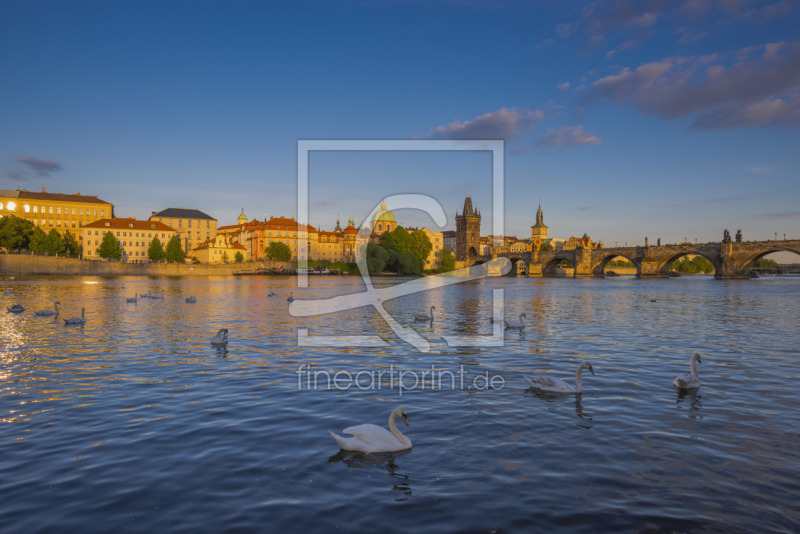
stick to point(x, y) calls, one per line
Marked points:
point(95, 213)
point(58, 210)
point(102, 213)
point(10, 206)
point(73, 211)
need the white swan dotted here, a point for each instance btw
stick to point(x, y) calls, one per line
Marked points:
point(48, 313)
point(77, 320)
point(16, 308)
point(191, 299)
point(272, 293)
point(145, 296)
point(135, 298)
point(556, 385)
point(291, 297)
point(220, 338)
point(689, 380)
point(373, 438)
point(511, 324)
point(423, 317)
point(9, 292)
point(157, 295)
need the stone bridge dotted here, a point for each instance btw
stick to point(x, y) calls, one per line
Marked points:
point(730, 259)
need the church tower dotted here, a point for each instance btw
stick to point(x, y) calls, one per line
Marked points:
point(538, 230)
point(468, 232)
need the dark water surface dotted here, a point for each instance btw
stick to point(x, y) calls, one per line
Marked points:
point(134, 422)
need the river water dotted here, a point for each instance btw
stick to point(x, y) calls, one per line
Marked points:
point(135, 422)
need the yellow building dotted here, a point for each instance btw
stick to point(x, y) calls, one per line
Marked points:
point(220, 249)
point(133, 236)
point(437, 240)
point(329, 247)
point(193, 226)
point(55, 210)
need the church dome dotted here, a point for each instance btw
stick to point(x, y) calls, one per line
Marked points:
point(384, 215)
point(242, 217)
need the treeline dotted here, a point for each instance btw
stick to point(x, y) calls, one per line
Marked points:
point(696, 265)
point(403, 252)
point(17, 233)
point(110, 249)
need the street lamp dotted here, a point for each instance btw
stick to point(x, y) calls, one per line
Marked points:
point(776, 236)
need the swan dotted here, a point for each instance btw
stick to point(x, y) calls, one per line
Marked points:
point(157, 296)
point(9, 292)
point(145, 296)
point(191, 299)
point(16, 308)
point(272, 293)
point(511, 324)
point(689, 380)
point(556, 385)
point(220, 338)
point(135, 298)
point(373, 438)
point(47, 313)
point(77, 320)
point(423, 317)
point(291, 297)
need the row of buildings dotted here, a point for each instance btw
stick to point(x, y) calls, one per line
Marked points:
point(90, 218)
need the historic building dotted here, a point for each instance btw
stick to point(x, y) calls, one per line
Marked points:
point(383, 220)
point(449, 240)
point(468, 232)
point(220, 249)
point(193, 226)
point(134, 237)
point(538, 230)
point(55, 210)
point(581, 242)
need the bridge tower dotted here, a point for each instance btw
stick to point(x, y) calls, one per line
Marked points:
point(538, 230)
point(468, 232)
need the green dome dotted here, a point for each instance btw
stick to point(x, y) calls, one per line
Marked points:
point(384, 215)
point(242, 217)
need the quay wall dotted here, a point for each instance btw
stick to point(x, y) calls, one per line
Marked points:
point(29, 265)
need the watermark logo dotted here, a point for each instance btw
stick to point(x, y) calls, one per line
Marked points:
point(401, 380)
point(376, 296)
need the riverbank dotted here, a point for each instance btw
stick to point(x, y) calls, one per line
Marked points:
point(25, 264)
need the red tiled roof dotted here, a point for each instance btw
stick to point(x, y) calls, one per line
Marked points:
point(60, 197)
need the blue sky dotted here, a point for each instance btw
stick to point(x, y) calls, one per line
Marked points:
point(627, 119)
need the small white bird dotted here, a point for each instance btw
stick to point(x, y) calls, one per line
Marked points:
point(556, 385)
point(373, 438)
point(220, 338)
point(16, 308)
point(134, 299)
point(511, 324)
point(423, 317)
point(48, 313)
point(77, 320)
point(689, 380)
point(291, 297)
point(191, 299)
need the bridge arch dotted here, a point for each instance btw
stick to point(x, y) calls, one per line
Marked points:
point(550, 268)
point(599, 266)
point(749, 261)
point(664, 265)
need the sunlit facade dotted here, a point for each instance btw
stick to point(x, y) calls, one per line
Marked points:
point(193, 226)
point(134, 237)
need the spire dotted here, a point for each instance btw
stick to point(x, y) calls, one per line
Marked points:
point(468, 206)
point(539, 215)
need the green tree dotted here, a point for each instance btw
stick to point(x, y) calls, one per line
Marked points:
point(546, 245)
point(696, 265)
point(404, 262)
point(53, 244)
point(420, 245)
point(239, 258)
point(398, 239)
point(377, 258)
point(156, 250)
point(174, 251)
point(225, 257)
point(36, 242)
point(15, 232)
point(766, 263)
point(109, 247)
point(278, 251)
point(447, 261)
point(71, 245)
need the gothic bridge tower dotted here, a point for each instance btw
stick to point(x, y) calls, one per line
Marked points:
point(468, 232)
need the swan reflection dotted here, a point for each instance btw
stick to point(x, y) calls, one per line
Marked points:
point(694, 399)
point(584, 416)
point(387, 460)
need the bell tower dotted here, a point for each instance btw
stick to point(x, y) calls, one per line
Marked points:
point(468, 232)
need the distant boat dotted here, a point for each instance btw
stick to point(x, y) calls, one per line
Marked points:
point(674, 274)
point(754, 274)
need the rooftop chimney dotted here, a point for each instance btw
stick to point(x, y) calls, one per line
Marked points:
point(43, 190)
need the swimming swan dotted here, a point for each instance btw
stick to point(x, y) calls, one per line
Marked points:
point(689, 380)
point(511, 324)
point(48, 313)
point(77, 320)
point(291, 297)
point(423, 317)
point(135, 298)
point(373, 438)
point(556, 385)
point(191, 299)
point(16, 308)
point(272, 293)
point(220, 338)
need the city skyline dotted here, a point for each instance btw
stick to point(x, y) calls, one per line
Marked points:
point(627, 119)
